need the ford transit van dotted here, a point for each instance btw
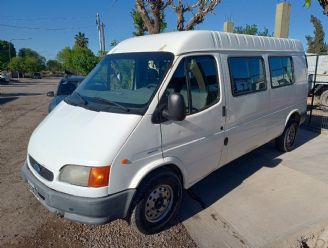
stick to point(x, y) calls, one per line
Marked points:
point(158, 114)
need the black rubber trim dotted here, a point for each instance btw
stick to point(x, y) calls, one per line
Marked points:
point(82, 209)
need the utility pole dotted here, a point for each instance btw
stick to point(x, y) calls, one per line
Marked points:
point(9, 44)
point(101, 33)
point(103, 36)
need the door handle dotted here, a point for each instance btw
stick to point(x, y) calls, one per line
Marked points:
point(226, 140)
point(224, 111)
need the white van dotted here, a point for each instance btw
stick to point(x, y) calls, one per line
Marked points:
point(158, 114)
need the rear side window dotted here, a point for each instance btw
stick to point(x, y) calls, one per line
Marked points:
point(281, 71)
point(247, 75)
point(196, 79)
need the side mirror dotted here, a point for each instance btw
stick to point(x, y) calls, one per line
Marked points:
point(51, 94)
point(176, 108)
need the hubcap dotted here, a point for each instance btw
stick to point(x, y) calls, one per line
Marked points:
point(291, 135)
point(159, 203)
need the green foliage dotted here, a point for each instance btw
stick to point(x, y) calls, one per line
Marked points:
point(323, 4)
point(80, 40)
point(114, 43)
point(17, 64)
point(4, 53)
point(78, 60)
point(307, 3)
point(84, 60)
point(252, 30)
point(54, 66)
point(317, 43)
point(27, 60)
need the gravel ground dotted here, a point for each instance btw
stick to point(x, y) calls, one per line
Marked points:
point(23, 221)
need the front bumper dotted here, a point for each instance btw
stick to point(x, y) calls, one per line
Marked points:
point(81, 209)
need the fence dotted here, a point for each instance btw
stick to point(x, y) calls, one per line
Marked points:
point(317, 111)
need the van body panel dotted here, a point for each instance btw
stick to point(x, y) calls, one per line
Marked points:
point(198, 140)
point(211, 136)
point(74, 135)
point(142, 148)
point(247, 115)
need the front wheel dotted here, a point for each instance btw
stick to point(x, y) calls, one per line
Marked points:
point(285, 142)
point(157, 202)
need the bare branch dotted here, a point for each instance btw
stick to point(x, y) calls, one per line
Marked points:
point(204, 8)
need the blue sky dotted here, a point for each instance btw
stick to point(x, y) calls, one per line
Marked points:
point(51, 25)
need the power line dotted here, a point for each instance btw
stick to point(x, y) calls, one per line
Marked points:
point(47, 18)
point(40, 28)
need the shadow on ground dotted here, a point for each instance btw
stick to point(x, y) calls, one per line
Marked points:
point(7, 99)
point(224, 180)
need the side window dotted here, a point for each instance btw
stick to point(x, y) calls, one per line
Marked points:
point(203, 81)
point(281, 71)
point(247, 75)
point(196, 80)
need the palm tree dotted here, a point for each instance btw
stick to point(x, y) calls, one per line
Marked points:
point(81, 41)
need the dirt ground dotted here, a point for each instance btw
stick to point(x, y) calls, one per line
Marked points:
point(23, 221)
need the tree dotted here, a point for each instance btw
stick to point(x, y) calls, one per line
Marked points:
point(148, 15)
point(81, 41)
point(27, 60)
point(33, 61)
point(317, 43)
point(54, 66)
point(83, 60)
point(140, 25)
point(323, 3)
point(78, 60)
point(4, 53)
point(17, 64)
point(114, 43)
point(203, 7)
point(252, 30)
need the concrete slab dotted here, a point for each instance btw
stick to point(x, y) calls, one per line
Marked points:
point(262, 198)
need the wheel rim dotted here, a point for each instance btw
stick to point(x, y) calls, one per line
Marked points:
point(159, 203)
point(291, 135)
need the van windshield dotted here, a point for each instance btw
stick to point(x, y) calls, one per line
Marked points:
point(124, 82)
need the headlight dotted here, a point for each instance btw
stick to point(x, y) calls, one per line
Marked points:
point(85, 176)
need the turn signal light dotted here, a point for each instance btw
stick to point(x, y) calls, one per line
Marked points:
point(99, 176)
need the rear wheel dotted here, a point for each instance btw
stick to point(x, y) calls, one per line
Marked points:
point(157, 202)
point(285, 142)
point(324, 99)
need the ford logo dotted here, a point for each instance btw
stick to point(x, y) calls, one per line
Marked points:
point(36, 167)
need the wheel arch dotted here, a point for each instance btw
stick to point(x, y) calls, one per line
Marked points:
point(294, 114)
point(172, 164)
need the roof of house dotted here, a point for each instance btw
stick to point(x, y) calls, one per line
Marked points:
point(191, 41)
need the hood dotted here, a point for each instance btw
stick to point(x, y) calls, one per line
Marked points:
point(55, 101)
point(74, 135)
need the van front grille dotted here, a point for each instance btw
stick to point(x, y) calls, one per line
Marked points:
point(42, 171)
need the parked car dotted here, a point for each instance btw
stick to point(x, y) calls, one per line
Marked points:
point(66, 86)
point(158, 114)
point(36, 75)
point(4, 78)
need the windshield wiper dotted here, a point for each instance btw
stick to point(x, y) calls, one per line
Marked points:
point(82, 99)
point(111, 102)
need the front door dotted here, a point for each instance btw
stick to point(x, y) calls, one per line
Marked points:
point(196, 141)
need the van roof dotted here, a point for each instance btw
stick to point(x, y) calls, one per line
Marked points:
point(191, 41)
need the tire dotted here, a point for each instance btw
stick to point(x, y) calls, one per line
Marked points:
point(324, 99)
point(285, 142)
point(157, 202)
